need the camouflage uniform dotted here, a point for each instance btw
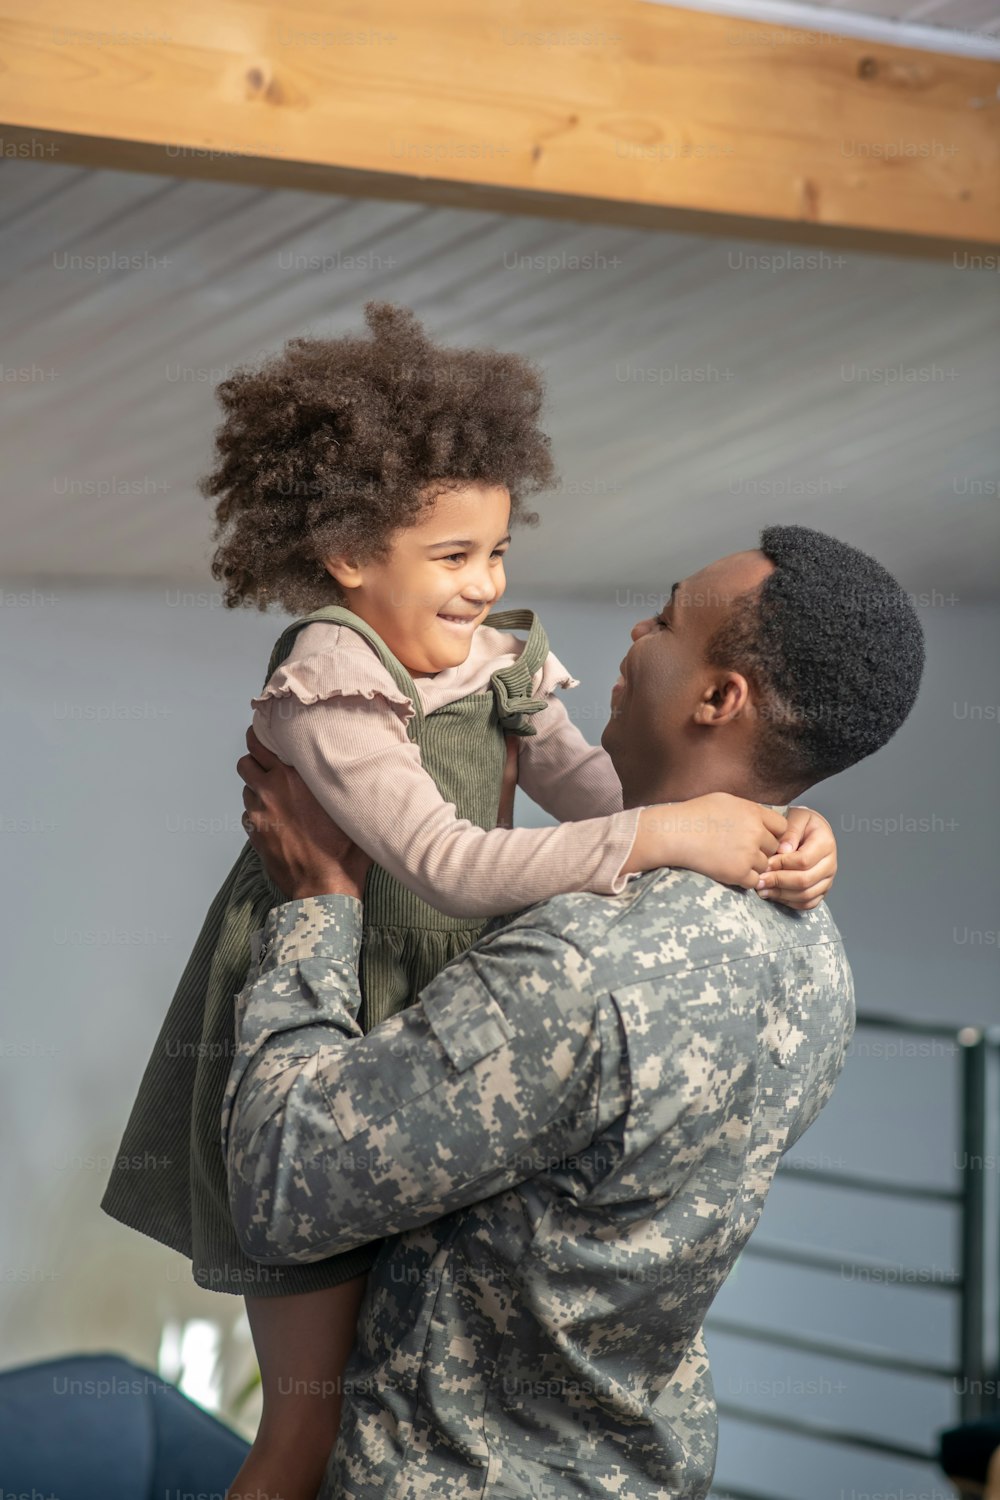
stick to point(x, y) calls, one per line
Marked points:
point(569, 1139)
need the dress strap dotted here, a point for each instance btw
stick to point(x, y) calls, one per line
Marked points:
point(512, 685)
point(338, 614)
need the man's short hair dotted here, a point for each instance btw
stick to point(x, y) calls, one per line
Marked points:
point(833, 650)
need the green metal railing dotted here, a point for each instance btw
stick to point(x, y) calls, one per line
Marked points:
point(976, 1355)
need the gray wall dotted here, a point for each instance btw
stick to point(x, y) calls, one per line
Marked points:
point(124, 713)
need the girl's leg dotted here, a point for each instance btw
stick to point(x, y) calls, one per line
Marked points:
point(302, 1345)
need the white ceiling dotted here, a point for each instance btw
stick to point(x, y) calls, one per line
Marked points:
point(860, 395)
point(955, 15)
point(945, 25)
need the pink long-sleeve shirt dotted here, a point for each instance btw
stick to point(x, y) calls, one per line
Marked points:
point(333, 711)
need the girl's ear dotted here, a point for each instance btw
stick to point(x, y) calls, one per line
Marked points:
point(347, 573)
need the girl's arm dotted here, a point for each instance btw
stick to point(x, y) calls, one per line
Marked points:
point(562, 772)
point(356, 758)
point(353, 752)
point(572, 779)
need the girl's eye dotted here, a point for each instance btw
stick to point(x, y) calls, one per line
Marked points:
point(460, 556)
point(663, 624)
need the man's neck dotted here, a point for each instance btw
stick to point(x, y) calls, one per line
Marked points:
point(680, 786)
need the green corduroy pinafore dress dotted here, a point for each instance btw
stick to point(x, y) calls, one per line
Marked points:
point(169, 1178)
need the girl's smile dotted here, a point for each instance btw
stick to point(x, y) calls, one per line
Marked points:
point(462, 622)
point(439, 580)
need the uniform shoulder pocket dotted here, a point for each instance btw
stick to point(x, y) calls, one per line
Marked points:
point(397, 1062)
point(467, 1022)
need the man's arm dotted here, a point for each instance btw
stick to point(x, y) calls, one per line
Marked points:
point(333, 1138)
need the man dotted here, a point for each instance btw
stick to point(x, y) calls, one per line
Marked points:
point(569, 1139)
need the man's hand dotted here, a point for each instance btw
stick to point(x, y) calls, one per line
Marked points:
point(299, 844)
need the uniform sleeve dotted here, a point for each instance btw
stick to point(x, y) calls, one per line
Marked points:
point(504, 1066)
point(353, 752)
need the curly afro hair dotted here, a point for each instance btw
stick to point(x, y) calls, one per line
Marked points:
point(333, 444)
point(834, 650)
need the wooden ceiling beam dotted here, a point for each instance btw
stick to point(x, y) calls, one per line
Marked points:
point(619, 112)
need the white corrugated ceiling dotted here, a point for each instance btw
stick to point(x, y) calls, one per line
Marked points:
point(945, 25)
point(696, 392)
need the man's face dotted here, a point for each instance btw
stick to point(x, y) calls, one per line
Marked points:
point(665, 676)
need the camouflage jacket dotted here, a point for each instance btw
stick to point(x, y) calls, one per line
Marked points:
point(567, 1141)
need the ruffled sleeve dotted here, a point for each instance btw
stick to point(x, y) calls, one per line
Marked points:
point(337, 670)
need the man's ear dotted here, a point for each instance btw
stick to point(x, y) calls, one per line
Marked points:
point(724, 699)
point(344, 570)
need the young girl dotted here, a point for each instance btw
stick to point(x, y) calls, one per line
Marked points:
point(368, 486)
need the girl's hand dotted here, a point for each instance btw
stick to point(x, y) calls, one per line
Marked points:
point(727, 838)
point(802, 871)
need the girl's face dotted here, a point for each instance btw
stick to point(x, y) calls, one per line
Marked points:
point(439, 580)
